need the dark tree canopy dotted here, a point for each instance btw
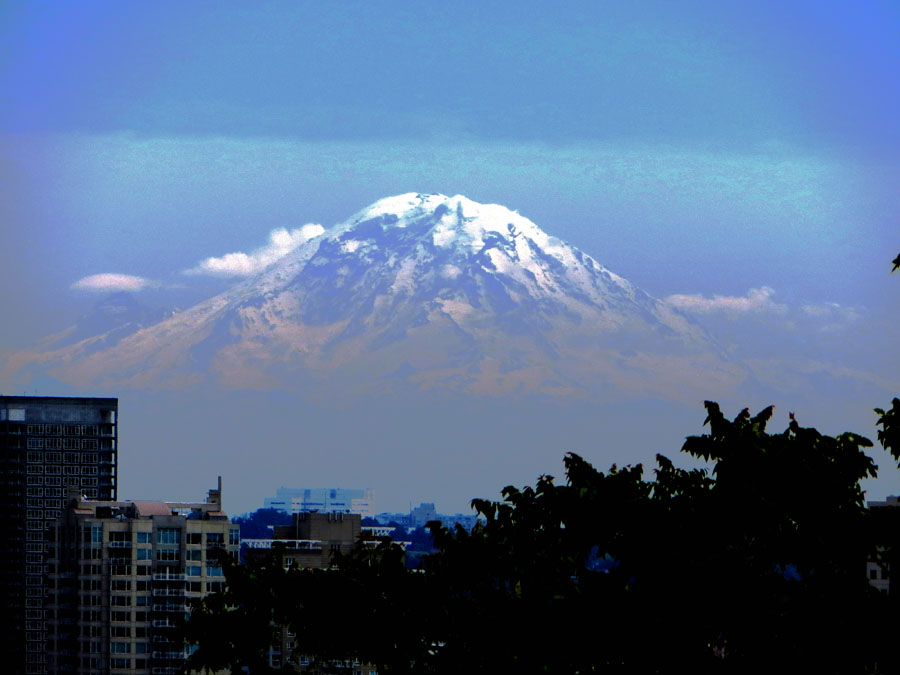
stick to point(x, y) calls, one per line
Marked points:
point(257, 525)
point(758, 560)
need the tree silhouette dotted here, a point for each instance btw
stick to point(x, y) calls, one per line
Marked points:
point(757, 560)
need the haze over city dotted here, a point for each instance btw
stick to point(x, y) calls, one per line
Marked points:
point(733, 168)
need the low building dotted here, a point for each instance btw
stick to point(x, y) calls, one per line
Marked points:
point(121, 574)
point(879, 567)
point(310, 541)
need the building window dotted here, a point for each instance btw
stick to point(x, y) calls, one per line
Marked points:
point(167, 554)
point(144, 554)
point(193, 537)
point(93, 534)
point(144, 537)
point(168, 535)
point(214, 571)
point(234, 537)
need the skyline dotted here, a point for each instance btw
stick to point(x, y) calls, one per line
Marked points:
point(740, 162)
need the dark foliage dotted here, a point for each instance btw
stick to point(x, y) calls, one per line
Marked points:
point(257, 524)
point(755, 565)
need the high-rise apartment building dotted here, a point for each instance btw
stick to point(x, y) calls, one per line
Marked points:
point(123, 573)
point(46, 445)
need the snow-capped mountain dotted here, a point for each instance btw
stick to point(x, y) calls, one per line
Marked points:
point(415, 290)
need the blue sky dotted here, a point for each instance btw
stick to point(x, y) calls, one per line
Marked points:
point(700, 149)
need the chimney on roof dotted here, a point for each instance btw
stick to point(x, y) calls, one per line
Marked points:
point(215, 496)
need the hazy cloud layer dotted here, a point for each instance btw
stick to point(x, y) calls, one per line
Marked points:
point(757, 301)
point(831, 310)
point(108, 283)
point(831, 316)
point(281, 242)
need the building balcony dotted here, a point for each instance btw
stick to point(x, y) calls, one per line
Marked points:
point(120, 544)
point(174, 592)
point(168, 576)
point(168, 656)
point(162, 623)
point(179, 608)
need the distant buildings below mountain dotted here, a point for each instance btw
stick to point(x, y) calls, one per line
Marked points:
point(360, 501)
point(425, 513)
point(332, 500)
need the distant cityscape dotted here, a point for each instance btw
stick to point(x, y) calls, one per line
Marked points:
point(97, 586)
point(362, 503)
point(94, 585)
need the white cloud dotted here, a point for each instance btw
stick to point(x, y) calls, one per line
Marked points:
point(281, 242)
point(831, 316)
point(831, 310)
point(757, 301)
point(106, 283)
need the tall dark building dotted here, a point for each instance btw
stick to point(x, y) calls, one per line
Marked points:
point(47, 444)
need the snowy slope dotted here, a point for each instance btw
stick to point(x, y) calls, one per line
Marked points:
point(418, 291)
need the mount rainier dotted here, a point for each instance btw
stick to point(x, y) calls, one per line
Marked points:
point(421, 291)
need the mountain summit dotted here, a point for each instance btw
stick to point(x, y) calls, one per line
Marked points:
point(423, 291)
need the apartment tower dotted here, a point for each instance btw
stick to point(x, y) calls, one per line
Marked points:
point(47, 444)
point(122, 575)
